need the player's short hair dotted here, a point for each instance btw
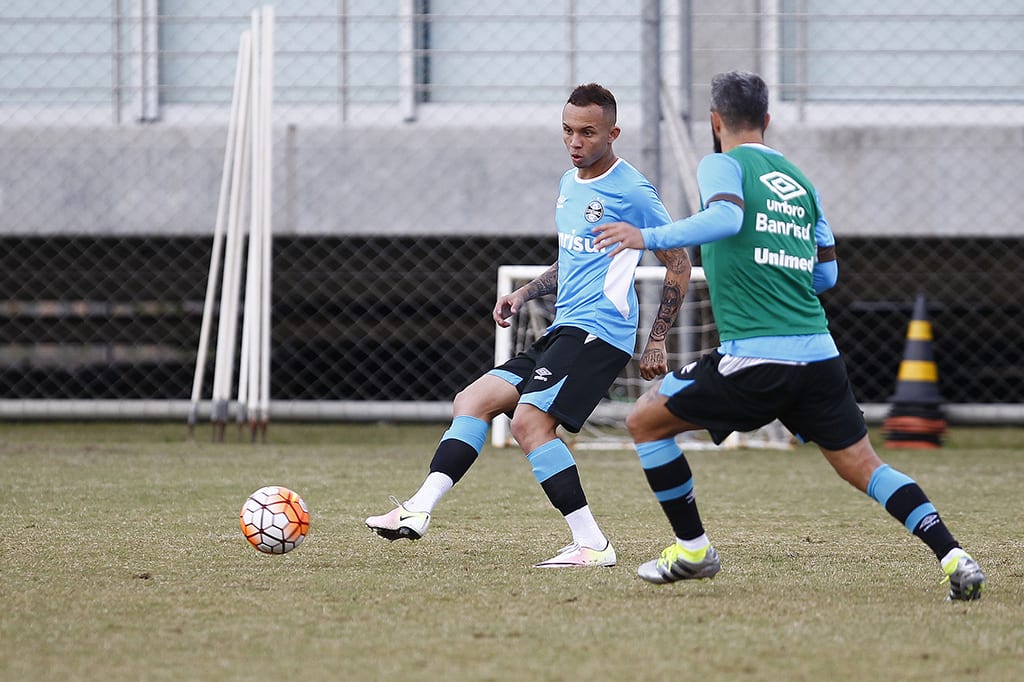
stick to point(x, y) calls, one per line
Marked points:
point(740, 98)
point(592, 93)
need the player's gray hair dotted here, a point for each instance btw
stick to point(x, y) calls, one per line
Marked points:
point(740, 98)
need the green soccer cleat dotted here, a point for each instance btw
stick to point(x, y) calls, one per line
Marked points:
point(399, 523)
point(966, 581)
point(678, 563)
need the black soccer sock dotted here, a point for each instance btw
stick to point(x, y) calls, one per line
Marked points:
point(555, 470)
point(459, 447)
point(668, 473)
point(904, 499)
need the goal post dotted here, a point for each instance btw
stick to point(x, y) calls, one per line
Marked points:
point(693, 335)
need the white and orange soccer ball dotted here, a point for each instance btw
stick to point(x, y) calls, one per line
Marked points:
point(274, 520)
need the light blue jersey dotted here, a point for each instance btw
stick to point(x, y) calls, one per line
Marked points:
point(596, 293)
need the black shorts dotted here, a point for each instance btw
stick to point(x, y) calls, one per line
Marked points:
point(565, 373)
point(812, 400)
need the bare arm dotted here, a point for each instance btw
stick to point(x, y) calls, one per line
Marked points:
point(508, 305)
point(654, 359)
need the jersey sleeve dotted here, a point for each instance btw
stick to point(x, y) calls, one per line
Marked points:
point(826, 268)
point(643, 207)
point(719, 174)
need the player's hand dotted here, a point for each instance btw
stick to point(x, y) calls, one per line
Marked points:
point(621, 236)
point(507, 306)
point(654, 360)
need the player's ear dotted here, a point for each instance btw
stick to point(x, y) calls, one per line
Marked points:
point(613, 134)
point(767, 118)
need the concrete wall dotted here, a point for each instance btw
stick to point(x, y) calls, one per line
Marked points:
point(928, 181)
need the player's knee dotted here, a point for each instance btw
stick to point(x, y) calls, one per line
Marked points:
point(464, 402)
point(636, 424)
point(528, 432)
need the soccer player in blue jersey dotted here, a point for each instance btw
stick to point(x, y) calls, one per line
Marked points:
point(562, 377)
point(767, 252)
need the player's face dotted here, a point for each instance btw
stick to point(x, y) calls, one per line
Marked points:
point(588, 134)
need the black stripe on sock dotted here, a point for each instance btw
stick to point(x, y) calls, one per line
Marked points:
point(565, 491)
point(670, 475)
point(905, 500)
point(453, 457)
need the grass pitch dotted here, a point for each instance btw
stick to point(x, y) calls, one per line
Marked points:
point(121, 559)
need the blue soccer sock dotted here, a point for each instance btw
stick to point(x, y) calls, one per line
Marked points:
point(668, 473)
point(555, 470)
point(904, 499)
point(459, 447)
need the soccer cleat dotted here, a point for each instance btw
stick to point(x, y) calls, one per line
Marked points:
point(399, 523)
point(678, 563)
point(966, 581)
point(576, 555)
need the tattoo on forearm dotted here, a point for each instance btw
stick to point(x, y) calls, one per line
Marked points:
point(671, 300)
point(677, 281)
point(675, 260)
point(544, 284)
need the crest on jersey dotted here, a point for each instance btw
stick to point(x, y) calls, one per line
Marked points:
point(783, 186)
point(594, 211)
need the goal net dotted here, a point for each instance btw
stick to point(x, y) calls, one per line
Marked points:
point(693, 335)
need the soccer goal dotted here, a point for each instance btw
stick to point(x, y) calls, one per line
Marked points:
point(693, 334)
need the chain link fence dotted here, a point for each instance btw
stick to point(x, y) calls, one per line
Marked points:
point(417, 148)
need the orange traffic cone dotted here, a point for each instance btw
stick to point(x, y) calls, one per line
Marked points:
point(915, 419)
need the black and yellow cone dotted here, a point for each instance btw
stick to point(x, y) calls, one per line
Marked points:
point(915, 419)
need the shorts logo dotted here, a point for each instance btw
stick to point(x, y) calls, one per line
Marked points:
point(541, 374)
point(782, 185)
point(594, 212)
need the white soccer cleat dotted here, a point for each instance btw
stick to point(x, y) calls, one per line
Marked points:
point(399, 523)
point(576, 556)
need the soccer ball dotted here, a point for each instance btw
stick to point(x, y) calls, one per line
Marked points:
point(274, 520)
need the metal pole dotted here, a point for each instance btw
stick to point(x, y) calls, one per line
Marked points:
point(116, 21)
point(407, 59)
point(343, 60)
point(650, 91)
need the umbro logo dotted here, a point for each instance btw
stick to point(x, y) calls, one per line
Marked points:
point(783, 186)
point(541, 374)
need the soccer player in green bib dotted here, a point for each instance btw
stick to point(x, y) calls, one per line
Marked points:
point(767, 251)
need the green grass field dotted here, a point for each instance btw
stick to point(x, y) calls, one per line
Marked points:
point(121, 559)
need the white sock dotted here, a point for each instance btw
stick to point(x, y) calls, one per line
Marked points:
point(951, 555)
point(434, 487)
point(585, 530)
point(696, 544)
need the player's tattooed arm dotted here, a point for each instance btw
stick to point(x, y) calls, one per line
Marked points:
point(509, 304)
point(546, 283)
point(654, 359)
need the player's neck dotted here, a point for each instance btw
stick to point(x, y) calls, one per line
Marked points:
point(598, 168)
point(731, 141)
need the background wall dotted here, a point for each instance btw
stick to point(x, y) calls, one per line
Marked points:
point(417, 147)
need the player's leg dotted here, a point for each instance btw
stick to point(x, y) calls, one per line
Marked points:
point(653, 428)
point(715, 393)
point(473, 409)
point(904, 499)
point(839, 430)
point(572, 377)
